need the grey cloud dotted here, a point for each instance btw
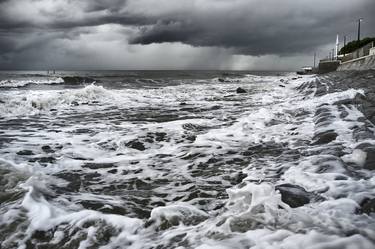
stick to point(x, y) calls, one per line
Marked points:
point(295, 29)
point(71, 15)
point(242, 27)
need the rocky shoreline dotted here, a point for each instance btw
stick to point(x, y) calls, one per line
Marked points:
point(360, 156)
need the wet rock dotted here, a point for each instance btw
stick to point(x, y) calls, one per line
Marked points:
point(324, 119)
point(324, 137)
point(160, 136)
point(363, 133)
point(98, 165)
point(142, 185)
point(136, 145)
point(25, 153)
point(370, 158)
point(191, 138)
point(268, 149)
point(193, 127)
point(47, 149)
point(343, 114)
point(43, 236)
point(48, 159)
point(34, 104)
point(59, 146)
point(215, 107)
point(293, 195)
point(240, 90)
point(74, 103)
point(112, 171)
point(82, 158)
point(368, 206)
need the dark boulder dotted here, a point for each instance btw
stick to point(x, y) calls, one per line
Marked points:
point(112, 171)
point(47, 149)
point(240, 90)
point(368, 206)
point(136, 145)
point(221, 80)
point(281, 86)
point(25, 153)
point(98, 165)
point(160, 136)
point(363, 133)
point(48, 159)
point(370, 158)
point(191, 138)
point(293, 195)
point(74, 103)
point(324, 137)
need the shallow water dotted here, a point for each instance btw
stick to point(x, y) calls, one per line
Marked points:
point(180, 160)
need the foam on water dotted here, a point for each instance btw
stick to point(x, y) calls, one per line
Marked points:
point(24, 82)
point(184, 166)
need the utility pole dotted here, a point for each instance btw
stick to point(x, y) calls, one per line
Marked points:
point(344, 40)
point(314, 58)
point(337, 47)
point(359, 29)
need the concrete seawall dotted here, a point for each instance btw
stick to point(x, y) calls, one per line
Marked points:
point(364, 63)
point(328, 66)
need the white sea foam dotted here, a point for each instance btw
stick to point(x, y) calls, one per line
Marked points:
point(24, 82)
point(189, 192)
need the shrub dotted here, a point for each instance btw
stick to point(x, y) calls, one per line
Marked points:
point(354, 45)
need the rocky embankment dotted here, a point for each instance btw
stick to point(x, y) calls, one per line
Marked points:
point(358, 154)
point(365, 63)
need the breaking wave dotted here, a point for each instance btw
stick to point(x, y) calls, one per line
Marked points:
point(284, 164)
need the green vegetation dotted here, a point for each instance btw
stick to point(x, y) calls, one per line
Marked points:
point(354, 45)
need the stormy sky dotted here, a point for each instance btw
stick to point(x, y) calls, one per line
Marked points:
point(175, 34)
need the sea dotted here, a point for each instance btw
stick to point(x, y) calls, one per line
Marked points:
point(181, 159)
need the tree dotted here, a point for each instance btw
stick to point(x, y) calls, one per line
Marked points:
point(354, 45)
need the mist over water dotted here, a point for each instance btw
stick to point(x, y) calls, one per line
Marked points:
point(179, 159)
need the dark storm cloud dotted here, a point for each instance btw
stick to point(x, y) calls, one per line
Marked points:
point(247, 27)
point(286, 27)
point(66, 16)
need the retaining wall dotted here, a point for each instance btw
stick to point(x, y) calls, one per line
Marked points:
point(365, 63)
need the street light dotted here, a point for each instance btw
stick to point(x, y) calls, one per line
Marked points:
point(359, 28)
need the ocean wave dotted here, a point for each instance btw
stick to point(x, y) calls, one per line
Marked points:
point(193, 166)
point(36, 102)
point(24, 82)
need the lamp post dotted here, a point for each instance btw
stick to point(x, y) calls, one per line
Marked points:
point(314, 58)
point(359, 29)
